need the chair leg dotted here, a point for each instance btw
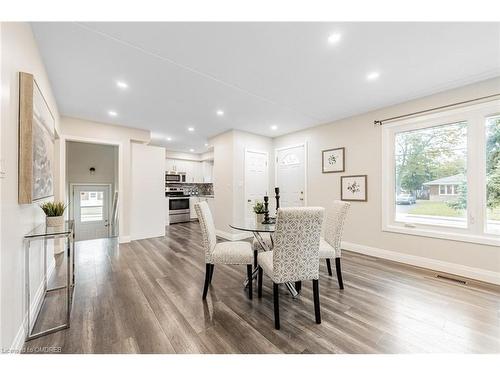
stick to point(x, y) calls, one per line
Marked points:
point(207, 280)
point(276, 292)
point(259, 282)
point(255, 254)
point(298, 286)
point(250, 281)
point(317, 311)
point(212, 267)
point(339, 273)
point(329, 266)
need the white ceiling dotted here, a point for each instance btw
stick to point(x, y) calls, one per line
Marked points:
point(260, 74)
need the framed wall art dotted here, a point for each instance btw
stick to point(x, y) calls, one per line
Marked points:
point(354, 188)
point(36, 143)
point(333, 160)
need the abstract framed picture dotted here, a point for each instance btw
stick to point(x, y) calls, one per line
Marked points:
point(354, 188)
point(36, 143)
point(333, 160)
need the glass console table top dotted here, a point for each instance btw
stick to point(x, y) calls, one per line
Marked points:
point(43, 230)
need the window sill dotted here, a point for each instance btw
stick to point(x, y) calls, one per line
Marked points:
point(443, 234)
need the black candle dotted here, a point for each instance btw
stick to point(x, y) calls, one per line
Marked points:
point(266, 209)
point(277, 192)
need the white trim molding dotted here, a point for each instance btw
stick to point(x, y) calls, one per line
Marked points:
point(431, 264)
point(124, 239)
point(233, 236)
point(36, 305)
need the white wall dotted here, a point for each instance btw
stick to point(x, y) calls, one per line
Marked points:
point(362, 141)
point(88, 131)
point(18, 53)
point(229, 177)
point(147, 208)
point(81, 156)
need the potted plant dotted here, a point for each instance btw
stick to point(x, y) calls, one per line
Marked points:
point(258, 208)
point(54, 212)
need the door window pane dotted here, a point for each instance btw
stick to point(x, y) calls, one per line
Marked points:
point(91, 206)
point(429, 162)
point(493, 175)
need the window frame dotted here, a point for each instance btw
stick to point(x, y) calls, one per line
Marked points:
point(475, 230)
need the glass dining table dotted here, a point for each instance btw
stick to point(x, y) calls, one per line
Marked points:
point(257, 229)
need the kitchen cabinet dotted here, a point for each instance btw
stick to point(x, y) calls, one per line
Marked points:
point(196, 171)
point(206, 171)
point(192, 211)
point(211, 205)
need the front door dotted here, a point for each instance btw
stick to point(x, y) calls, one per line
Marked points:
point(91, 211)
point(256, 179)
point(290, 175)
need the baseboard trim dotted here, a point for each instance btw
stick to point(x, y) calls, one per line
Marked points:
point(124, 239)
point(432, 264)
point(36, 305)
point(233, 236)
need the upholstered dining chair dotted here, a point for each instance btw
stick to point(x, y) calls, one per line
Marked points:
point(330, 245)
point(230, 252)
point(295, 256)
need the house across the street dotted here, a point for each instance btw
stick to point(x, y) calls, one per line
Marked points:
point(446, 188)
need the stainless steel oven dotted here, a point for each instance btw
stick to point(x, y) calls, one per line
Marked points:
point(178, 205)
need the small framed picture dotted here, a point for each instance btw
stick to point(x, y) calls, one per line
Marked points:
point(334, 160)
point(354, 188)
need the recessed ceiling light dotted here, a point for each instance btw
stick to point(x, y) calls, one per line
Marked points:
point(274, 127)
point(191, 129)
point(372, 76)
point(334, 38)
point(220, 112)
point(191, 149)
point(112, 113)
point(169, 138)
point(122, 85)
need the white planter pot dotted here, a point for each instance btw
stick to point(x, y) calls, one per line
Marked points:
point(259, 218)
point(54, 221)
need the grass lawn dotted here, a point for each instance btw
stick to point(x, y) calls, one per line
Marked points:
point(494, 214)
point(434, 208)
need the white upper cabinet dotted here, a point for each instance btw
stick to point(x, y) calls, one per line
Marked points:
point(207, 170)
point(196, 171)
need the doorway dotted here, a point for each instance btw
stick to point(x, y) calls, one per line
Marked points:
point(91, 208)
point(291, 175)
point(92, 175)
point(256, 179)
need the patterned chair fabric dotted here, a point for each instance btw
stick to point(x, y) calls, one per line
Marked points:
point(330, 246)
point(267, 240)
point(230, 252)
point(295, 256)
point(207, 229)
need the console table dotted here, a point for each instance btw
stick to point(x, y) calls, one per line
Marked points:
point(43, 233)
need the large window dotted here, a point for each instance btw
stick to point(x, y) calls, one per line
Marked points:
point(493, 175)
point(441, 174)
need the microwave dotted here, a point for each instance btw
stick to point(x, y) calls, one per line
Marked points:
point(175, 177)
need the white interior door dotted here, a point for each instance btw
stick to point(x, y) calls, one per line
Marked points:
point(256, 179)
point(291, 175)
point(91, 205)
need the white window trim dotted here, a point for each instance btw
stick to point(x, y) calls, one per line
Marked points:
point(475, 231)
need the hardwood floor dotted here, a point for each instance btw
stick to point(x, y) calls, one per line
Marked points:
point(145, 297)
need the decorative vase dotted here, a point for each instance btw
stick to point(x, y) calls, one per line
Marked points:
point(259, 218)
point(54, 221)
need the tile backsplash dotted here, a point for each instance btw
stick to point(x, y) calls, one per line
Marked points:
point(194, 189)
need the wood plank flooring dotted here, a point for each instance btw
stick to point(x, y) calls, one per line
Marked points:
point(145, 297)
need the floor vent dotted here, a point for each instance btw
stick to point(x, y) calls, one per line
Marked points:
point(449, 278)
